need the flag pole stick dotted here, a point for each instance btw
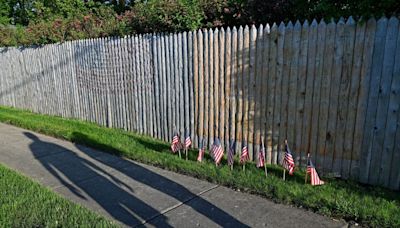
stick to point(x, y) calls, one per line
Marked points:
point(186, 152)
point(244, 167)
point(265, 157)
point(284, 173)
point(179, 151)
point(305, 179)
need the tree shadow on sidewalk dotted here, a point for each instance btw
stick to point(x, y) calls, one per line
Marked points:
point(82, 177)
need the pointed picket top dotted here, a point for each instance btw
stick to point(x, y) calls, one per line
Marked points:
point(350, 21)
point(331, 21)
point(216, 31)
point(393, 20)
point(199, 33)
point(267, 29)
point(290, 24)
point(240, 29)
point(371, 22)
point(314, 23)
point(222, 30)
point(306, 24)
point(322, 24)
point(297, 25)
point(246, 29)
point(234, 29)
point(228, 30)
point(260, 31)
point(253, 33)
point(281, 26)
point(341, 21)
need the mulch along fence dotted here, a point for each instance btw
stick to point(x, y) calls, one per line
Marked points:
point(331, 88)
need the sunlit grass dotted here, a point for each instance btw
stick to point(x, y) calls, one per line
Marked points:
point(25, 203)
point(372, 206)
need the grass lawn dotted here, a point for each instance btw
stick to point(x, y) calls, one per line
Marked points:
point(25, 203)
point(367, 205)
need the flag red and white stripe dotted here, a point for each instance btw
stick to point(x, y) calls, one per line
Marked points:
point(217, 152)
point(201, 151)
point(261, 156)
point(288, 162)
point(176, 143)
point(231, 153)
point(313, 173)
point(245, 155)
point(188, 141)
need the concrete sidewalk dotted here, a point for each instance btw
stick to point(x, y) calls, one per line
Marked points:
point(135, 194)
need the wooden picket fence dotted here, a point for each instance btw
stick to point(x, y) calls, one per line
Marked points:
point(332, 89)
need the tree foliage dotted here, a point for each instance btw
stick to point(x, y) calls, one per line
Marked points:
point(25, 22)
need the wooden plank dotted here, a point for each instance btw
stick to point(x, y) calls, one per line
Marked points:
point(215, 74)
point(353, 100)
point(186, 84)
point(370, 129)
point(194, 50)
point(222, 95)
point(137, 84)
point(287, 52)
point(334, 93)
point(383, 104)
point(171, 84)
point(278, 94)
point(180, 91)
point(211, 83)
point(326, 78)
point(272, 78)
point(201, 81)
point(156, 88)
point(251, 93)
point(245, 87)
point(259, 107)
point(292, 83)
point(239, 90)
point(206, 76)
point(267, 108)
point(340, 159)
point(164, 84)
point(363, 96)
point(307, 116)
point(227, 79)
point(388, 164)
point(234, 83)
point(316, 100)
point(190, 67)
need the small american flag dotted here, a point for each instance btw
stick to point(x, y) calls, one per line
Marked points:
point(313, 173)
point(245, 154)
point(217, 152)
point(288, 162)
point(176, 143)
point(201, 151)
point(188, 141)
point(261, 156)
point(231, 153)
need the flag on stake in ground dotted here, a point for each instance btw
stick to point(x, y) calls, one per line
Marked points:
point(201, 151)
point(188, 141)
point(176, 143)
point(261, 156)
point(313, 173)
point(288, 162)
point(231, 153)
point(217, 152)
point(245, 154)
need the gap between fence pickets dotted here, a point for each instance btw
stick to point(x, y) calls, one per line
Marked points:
point(178, 205)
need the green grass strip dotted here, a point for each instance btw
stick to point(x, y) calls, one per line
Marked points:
point(373, 206)
point(25, 203)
